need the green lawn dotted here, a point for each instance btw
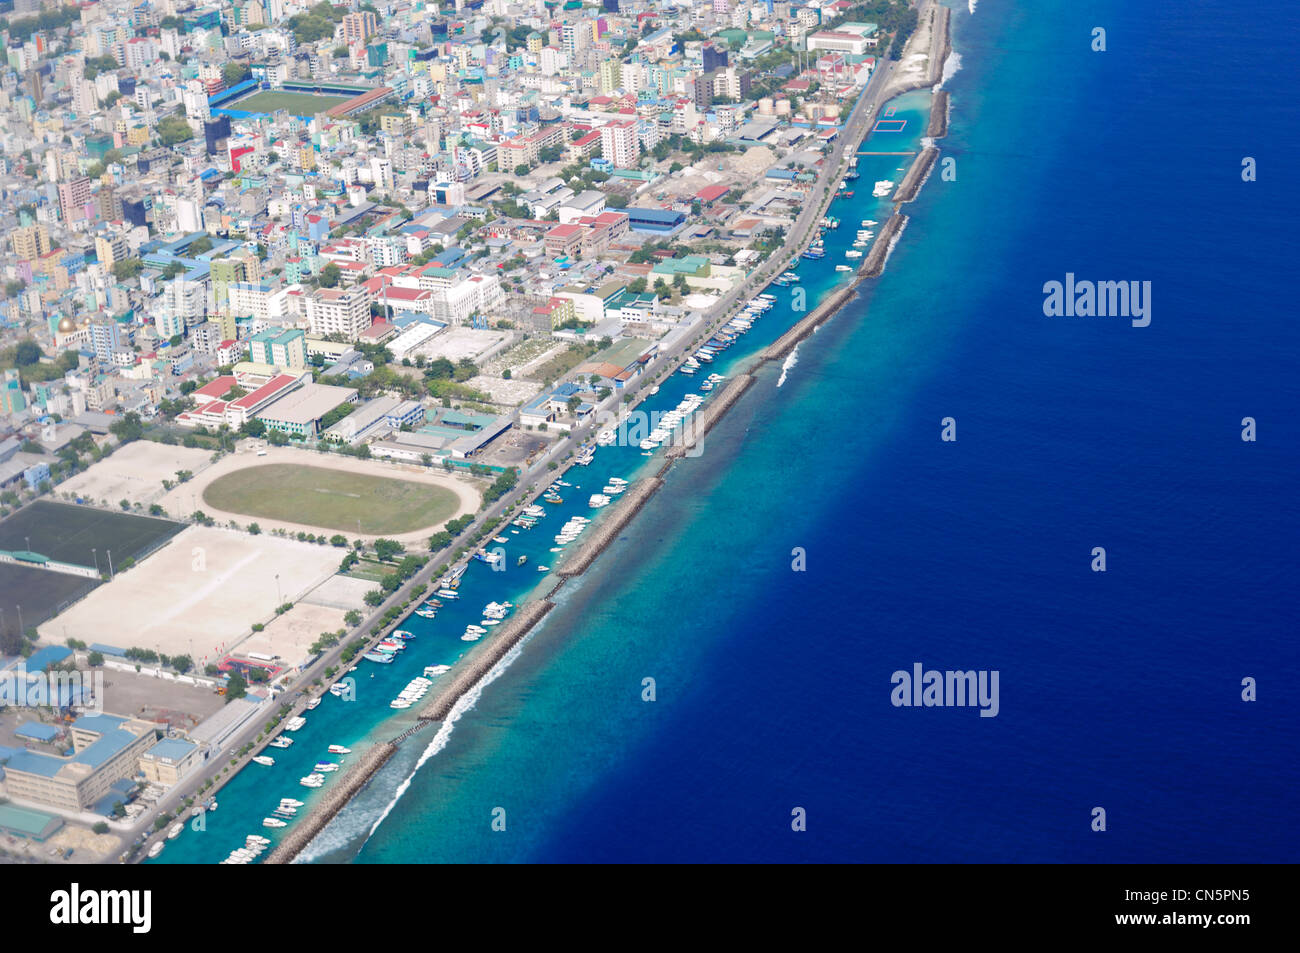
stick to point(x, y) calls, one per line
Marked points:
point(332, 499)
point(299, 104)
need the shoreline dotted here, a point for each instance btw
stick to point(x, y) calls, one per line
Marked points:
point(478, 666)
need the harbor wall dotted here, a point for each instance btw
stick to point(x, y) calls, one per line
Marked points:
point(916, 175)
point(323, 812)
point(604, 534)
point(940, 47)
point(711, 414)
point(938, 126)
point(786, 342)
point(476, 666)
point(874, 264)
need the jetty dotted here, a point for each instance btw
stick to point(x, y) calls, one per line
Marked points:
point(873, 266)
point(608, 529)
point(323, 812)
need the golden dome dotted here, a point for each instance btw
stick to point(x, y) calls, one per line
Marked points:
point(66, 325)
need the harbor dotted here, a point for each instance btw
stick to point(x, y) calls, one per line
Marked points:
point(610, 527)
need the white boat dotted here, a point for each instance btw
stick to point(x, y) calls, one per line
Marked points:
point(157, 849)
point(543, 568)
point(311, 705)
point(263, 759)
point(290, 802)
point(882, 188)
point(175, 831)
point(293, 724)
point(853, 253)
point(598, 500)
point(869, 222)
point(325, 767)
point(312, 780)
point(339, 749)
point(843, 268)
point(273, 822)
point(280, 742)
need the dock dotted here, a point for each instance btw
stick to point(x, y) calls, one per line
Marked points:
point(628, 505)
point(873, 266)
point(338, 796)
point(938, 126)
point(710, 414)
point(472, 669)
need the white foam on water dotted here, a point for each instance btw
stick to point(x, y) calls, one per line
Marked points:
point(950, 67)
point(790, 361)
point(971, 4)
point(340, 835)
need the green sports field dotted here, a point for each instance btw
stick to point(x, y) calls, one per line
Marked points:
point(299, 104)
point(331, 499)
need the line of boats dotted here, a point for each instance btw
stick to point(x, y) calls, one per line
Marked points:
point(415, 689)
point(670, 422)
point(494, 613)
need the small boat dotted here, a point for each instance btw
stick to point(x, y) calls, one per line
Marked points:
point(433, 671)
point(263, 760)
point(273, 822)
point(521, 560)
point(843, 268)
point(313, 704)
point(293, 724)
point(339, 749)
point(882, 188)
point(280, 742)
point(157, 848)
point(543, 568)
point(499, 539)
point(175, 831)
point(379, 657)
point(290, 802)
point(402, 634)
point(326, 766)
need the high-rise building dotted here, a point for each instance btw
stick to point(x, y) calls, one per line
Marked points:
point(30, 242)
point(358, 27)
point(619, 143)
point(75, 200)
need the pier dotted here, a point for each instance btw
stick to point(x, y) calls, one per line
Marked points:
point(323, 812)
point(916, 175)
point(604, 534)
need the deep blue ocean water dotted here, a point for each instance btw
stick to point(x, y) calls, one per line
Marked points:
point(1120, 690)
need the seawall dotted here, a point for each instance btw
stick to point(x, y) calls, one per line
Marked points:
point(710, 415)
point(604, 534)
point(472, 669)
point(938, 125)
point(322, 813)
point(873, 266)
point(786, 342)
point(917, 174)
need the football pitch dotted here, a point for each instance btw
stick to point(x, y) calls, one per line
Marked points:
point(299, 104)
point(332, 499)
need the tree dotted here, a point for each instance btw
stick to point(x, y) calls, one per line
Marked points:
point(330, 275)
point(386, 549)
point(374, 597)
point(100, 827)
point(236, 687)
point(174, 129)
point(200, 245)
point(26, 353)
point(128, 428)
point(127, 268)
point(254, 529)
point(182, 663)
point(235, 73)
point(352, 617)
point(95, 659)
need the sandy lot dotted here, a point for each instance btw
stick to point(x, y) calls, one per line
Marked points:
point(291, 635)
point(340, 592)
point(189, 497)
point(458, 342)
point(135, 472)
point(199, 593)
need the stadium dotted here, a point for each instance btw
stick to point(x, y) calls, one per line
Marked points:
point(252, 99)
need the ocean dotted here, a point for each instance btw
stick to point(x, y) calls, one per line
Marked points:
point(1119, 690)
